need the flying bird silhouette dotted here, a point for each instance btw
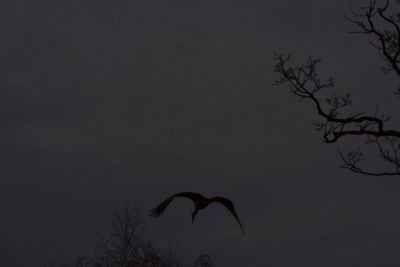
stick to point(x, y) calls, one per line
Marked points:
point(200, 202)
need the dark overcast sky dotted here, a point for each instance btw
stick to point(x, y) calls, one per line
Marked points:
point(90, 91)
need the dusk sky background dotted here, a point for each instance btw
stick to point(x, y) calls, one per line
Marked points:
point(105, 102)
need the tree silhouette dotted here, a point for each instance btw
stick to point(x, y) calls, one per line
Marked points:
point(336, 121)
point(204, 261)
point(126, 246)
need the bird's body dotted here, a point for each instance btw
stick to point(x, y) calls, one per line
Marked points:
point(200, 202)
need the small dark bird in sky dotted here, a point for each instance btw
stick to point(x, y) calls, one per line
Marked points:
point(200, 202)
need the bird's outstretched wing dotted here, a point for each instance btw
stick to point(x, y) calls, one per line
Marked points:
point(157, 211)
point(229, 205)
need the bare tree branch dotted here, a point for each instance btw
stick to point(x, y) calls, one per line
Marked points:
point(386, 40)
point(337, 122)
